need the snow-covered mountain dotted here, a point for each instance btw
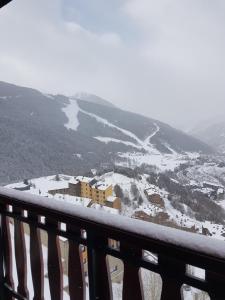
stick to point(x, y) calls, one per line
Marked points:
point(48, 134)
point(92, 98)
point(212, 133)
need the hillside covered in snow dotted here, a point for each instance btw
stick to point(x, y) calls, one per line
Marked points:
point(48, 134)
point(193, 199)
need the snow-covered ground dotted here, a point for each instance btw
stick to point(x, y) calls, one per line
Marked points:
point(182, 220)
point(41, 186)
point(160, 161)
point(107, 140)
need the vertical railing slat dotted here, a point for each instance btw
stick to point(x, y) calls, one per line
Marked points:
point(132, 288)
point(75, 274)
point(98, 273)
point(172, 273)
point(216, 284)
point(20, 255)
point(54, 262)
point(36, 259)
point(7, 250)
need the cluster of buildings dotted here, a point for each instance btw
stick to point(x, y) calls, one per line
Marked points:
point(97, 192)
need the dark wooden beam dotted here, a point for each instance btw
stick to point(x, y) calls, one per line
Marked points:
point(4, 2)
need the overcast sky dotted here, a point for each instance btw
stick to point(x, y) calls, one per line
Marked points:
point(164, 59)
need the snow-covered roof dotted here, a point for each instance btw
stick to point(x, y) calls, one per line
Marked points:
point(84, 179)
point(73, 181)
point(220, 191)
point(152, 190)
point(105, 208)
point(73, 200)
point(58, 185)
point(102, 186)
point(111, 198)
point(211, 184)
point(17, 185)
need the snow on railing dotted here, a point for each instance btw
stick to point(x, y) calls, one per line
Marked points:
point(174, 251)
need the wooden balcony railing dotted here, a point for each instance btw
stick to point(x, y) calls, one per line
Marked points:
point(174, 251)
point(4, 2)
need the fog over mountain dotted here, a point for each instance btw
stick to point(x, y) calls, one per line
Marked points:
point(212, 132)
point(158, 58)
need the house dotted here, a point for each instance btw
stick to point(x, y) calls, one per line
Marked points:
point(113, 202)
point(215, 191)
point(98, 191)
point(86, 187)
point(21, 186)
point(72, 188)
point(154, 195)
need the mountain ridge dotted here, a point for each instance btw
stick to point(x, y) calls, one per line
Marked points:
point(38, 138)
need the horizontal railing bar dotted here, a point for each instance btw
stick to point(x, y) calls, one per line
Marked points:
point(47, 228)
point(195, 282)
point(188, 247)
point(14, 293)
point(135, 261)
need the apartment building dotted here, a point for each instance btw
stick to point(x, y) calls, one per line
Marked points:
point(98, 191)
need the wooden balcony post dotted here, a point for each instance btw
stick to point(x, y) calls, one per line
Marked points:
point(98, 273)
point(6, 243)
point(172, 272)
point(2, 279)
point(20, 254)
point(54, 262)
point(36, 259)
point(216, 285)
point(132, 288)
point(75, 272)
point(4, 2)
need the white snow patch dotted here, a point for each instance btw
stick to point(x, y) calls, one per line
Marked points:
point(78, 155)
point(107, 123)
point(71, 111)
point(147, 141)
point(161, 161)
point(107, 140)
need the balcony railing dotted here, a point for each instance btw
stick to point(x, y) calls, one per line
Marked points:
point(4, 2)
point(174, 251)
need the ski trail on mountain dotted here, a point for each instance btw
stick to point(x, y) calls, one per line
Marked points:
point(71, 111)
point(107, 140)
point(141, 144)
point(147, 141)
point(106, 122)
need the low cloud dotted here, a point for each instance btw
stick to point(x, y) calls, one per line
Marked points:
point(171, 68)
